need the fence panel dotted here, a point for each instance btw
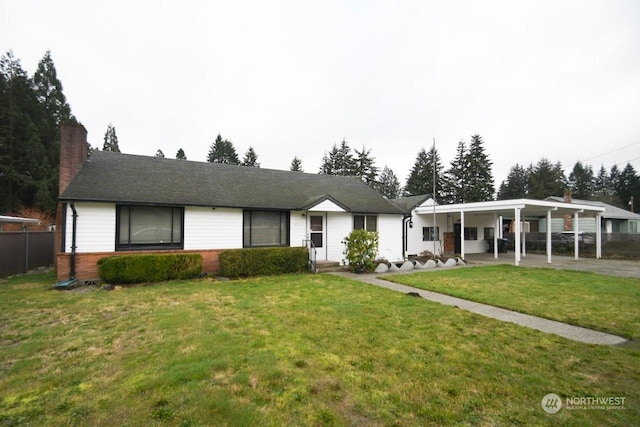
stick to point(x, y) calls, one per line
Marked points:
point(21, 252)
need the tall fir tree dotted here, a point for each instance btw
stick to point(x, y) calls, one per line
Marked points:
point(180, 154)
point(364, 167)
point(515, 186)
point(546, 179)
point(223, 151)
point(602, 191)
point(479, 177)
point(296, 165)
point(420, 180)
point(250, 158)
point(456, 176)
point(626, 185)
point(339, 161)
point(111, 140)
point(389, 185)
point(581, 181)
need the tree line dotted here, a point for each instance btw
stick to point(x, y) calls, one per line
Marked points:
point(32, 108)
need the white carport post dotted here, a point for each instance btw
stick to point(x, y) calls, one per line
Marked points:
point(495, 235)
point(517, 236)
point(598, 235)
point(576, 229)
point(548, 236)
point(524, 238)
point(462, 234)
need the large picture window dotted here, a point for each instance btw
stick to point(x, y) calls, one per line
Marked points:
point(266, 228)
point(149, 227)
point(471, 233)
point(366, 222)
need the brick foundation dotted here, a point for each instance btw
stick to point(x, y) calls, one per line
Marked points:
point(87, 267)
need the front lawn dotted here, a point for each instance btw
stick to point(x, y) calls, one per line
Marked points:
point(605, 303)
point(287, 350)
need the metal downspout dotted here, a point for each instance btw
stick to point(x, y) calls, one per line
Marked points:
point(72, 271)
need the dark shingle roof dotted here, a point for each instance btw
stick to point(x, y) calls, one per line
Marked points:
point(409, 203)
point(125, 178)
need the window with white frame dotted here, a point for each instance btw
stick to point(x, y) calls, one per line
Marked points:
point(366, 222)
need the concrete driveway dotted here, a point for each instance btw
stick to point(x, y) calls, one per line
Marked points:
point(612, 267)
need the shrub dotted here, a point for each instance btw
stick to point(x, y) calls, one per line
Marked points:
point(361, 249)
point(149, 268)
point(263, 261)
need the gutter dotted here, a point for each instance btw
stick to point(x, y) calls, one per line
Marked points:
point(69, 284)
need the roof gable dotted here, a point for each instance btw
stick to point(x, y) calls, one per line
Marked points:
point(131, 179)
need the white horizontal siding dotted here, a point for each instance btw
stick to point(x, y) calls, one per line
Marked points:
point(208, 228)
point(338, 226)
point(95, 227)
point(298, 228)
point(390, 237)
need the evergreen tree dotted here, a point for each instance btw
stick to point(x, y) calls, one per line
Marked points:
point(626, 184)
point(546, 179)
point(581, 181)
point(389, 185)
point(159, 153)
point(515, 186)
point(223, 151)
point(420, 180)
point(111, 140)
point(456, 176)
point(180, 155)
point(602, 191)
point(364, 167)
point(296, 165)
point(479, 178)
point(22, 155)
point(250, 158)
point(339, 161)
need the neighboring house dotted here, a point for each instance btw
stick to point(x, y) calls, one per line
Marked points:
point(116, 203)
point(468, 228)
point(614, 219)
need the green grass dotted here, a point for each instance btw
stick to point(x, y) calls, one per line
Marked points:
point(286, 350)
point(605, 303)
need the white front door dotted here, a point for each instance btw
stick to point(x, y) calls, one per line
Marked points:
point(317, 235)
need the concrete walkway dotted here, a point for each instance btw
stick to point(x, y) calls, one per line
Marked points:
point(564, 330)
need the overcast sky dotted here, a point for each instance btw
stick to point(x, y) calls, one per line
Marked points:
point(556, 79)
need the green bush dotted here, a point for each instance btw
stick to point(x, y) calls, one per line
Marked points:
point(149, 268)
point(263, 261)
point(361, 250)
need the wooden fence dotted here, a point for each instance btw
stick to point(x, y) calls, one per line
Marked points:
point(24, 251)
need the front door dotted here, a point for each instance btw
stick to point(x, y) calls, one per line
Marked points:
point(457, 238)
point(316, 226)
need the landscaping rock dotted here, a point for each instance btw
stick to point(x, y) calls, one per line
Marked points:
point(393, 267)
point(418, 265)
point(430, 264)
point(406, 266)
point(451, 262)
point(439, 263)
point(460, 261)
point(382, 268)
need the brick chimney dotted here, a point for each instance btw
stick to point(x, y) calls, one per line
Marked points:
point(568, 219)
point(73, 153)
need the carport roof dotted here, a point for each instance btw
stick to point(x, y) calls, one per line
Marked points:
point(528, 207)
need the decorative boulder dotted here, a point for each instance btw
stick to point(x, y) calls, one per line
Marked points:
point(407, 265)
point(460, 261)
point(382, 268)
point(450, 262)
point(430, 264)
point(439, 263)
point(393, 267)
point(418, 265)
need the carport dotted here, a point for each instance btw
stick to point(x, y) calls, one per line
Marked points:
point(519, 209)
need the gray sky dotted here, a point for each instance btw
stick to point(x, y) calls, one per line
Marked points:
point(557, 79)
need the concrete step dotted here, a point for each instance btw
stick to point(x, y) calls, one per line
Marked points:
point(329, 266)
